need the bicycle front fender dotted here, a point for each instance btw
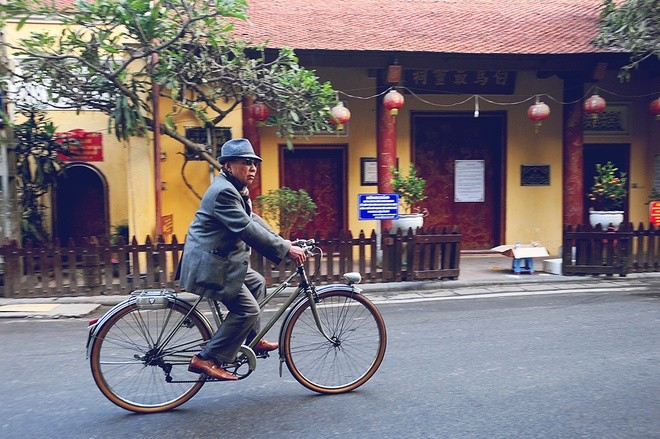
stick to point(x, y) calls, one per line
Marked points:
point(147, 299)
point(320, 290)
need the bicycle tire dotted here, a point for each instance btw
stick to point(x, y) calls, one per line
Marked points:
point(131, 367)
point(359, 340)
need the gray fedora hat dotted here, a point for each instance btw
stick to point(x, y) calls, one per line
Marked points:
point(235, 149)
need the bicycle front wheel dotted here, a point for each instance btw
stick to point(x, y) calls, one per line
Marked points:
point(140, 357)
point(352, 355)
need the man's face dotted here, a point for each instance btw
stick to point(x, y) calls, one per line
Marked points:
point(245, 170)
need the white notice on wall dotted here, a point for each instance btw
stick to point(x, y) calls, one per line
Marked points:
point(469, 181)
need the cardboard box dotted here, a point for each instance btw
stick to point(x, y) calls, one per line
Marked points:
point(522, 251)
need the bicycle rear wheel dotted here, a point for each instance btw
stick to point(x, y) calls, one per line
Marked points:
point(350, 358)
point(133, 367)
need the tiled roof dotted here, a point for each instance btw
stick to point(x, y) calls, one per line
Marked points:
point(445, 26)
point(448, 26)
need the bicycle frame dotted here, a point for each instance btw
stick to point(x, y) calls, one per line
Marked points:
point(303, 287)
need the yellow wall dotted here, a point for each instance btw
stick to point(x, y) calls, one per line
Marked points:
point(178, 199)
point(361, 139)
point(113, 167)
point(534, 213)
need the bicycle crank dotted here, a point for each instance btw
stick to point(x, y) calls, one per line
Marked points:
point(245, 363)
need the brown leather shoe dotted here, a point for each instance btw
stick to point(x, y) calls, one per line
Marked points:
point(264, 346)
point(198, 365)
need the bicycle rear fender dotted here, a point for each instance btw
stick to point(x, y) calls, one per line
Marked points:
point(146, 299)
point(319, 290)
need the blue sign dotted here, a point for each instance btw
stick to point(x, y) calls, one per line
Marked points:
point(378, 206)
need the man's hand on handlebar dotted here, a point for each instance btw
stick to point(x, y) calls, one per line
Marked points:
point(297, 254)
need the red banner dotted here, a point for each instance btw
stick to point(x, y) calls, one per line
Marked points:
point(90, 149)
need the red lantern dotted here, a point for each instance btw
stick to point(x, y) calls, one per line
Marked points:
point(260, 111)
point(537, 113)
point(594, 106)
point(654, 108)
point(339, 115)
point(392, 101)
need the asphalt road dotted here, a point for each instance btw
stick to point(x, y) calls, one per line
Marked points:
point(581, 364)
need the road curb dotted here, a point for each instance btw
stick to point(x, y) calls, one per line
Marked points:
point(81, 306)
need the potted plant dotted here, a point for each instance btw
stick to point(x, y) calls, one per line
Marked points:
point(290, 209)
point(607, 196)
point(410, 189)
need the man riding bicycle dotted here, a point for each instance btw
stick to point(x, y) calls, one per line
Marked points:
point(216, 257)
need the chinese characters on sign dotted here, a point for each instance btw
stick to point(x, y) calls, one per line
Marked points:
point(460, 81)
point(90, 147)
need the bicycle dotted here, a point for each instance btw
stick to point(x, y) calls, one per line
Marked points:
point(332, 340)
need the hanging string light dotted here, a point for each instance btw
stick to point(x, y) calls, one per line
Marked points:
point(594, 106)
point(339, 115)
point(538, 112)
point(392, 101)
point(476, 106)
point(654, 108)
point(259, 111)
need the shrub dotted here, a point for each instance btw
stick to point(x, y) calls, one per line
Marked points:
point(290, 209)
point(410, 188)
point(608, 190)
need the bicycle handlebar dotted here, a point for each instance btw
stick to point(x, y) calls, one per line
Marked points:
point(306, 244)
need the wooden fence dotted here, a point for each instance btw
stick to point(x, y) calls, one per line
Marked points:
point(593, 251)
point(91, 268)
point(100, 268)
point(427, 254)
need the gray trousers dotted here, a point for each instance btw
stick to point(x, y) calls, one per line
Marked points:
point(241, 323)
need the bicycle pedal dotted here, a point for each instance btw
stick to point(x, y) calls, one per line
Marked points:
point(263, 354)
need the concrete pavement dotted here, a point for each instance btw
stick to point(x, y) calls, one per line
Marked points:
point(479, 275)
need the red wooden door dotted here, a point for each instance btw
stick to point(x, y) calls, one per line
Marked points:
point(441, 139)
point(320, 170)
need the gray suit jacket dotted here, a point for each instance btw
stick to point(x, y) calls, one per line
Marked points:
point(217, 250)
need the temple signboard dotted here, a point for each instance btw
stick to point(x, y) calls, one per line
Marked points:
point(434, 81)
point(89, 147)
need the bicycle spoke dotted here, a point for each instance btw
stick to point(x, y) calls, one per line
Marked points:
point(353, 353)
point(134, 372)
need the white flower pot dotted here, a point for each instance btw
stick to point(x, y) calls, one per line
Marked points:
point(407, 221)
point(605, 218)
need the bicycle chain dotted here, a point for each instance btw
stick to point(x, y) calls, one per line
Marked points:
point(211, 379)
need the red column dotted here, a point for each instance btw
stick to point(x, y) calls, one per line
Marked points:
point(385, 151)
point(573, 143)
point(155, 98)
point(251, 132)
